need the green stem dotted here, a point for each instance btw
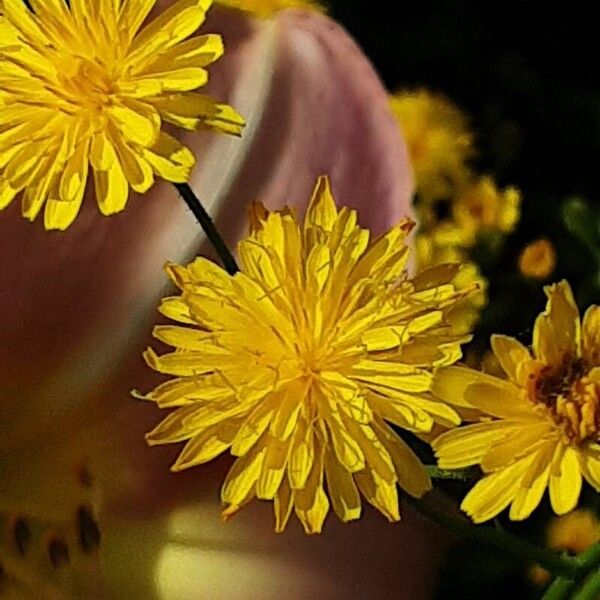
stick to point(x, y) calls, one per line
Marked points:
point(559, 589)
point(519, 548)
point(589, 558)
point(590, 588)
point(208, 227)
point(459, 474)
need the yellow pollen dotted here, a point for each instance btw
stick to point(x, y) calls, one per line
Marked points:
point(572, 399)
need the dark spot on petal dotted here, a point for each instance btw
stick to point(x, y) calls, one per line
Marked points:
point(84, 476)
point(89, 532)
point(58, 552)
point(22, 535)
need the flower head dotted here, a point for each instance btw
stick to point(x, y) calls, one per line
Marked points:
point(297, 363)
point(266, 8)
point(439, 142)
point(89, 85)
point(537, 260)
point(540, 427)
point(482, 207)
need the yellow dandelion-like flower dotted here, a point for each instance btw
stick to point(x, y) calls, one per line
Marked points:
point(540, 427)
point(267, 8)
point(298, 363)
point(87, 84)
point(480, 207)
point(537, 260)
point(439, 142)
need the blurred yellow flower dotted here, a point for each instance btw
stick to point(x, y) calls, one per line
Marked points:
point(540, 427)
point(83, 85)
point(439, 142)
point(572, 533)
point(482, 207)
point(464, 315)
point(537, 260)
point(266, 8)
point(297, 363)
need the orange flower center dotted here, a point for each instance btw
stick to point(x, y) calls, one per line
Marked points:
point(572, 398)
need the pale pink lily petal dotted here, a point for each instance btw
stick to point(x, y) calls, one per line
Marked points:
point(77, 309)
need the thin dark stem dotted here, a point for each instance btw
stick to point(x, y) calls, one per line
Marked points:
point(208, 227)
point(519, 548)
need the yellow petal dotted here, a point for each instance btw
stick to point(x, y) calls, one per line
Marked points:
point(273, 470)
point(524, 442)
point(565, 480)
point(591, 468)
point(310, 502)
point(532, 486)
point(205, 446)
point(321, 212)
point(61, 212)
point(382, 494)
point(512, 356)
point(591, 335)
point(170, 159)
point(7, 194)
point(410, 471)
point(241, 477)
point(136, 121)
point(501, 399)
point(302, 454)
point(112, 189)
point(556, 332)
point(492, 494)
point(283, 506)
point(173, 25)
point(136, 169)
point(466, 446)
point(23, 19)
point(133, 13)
point(342, 490)
point(450, 384)
point(172, 429)
point(254, 426)
point(347, 448)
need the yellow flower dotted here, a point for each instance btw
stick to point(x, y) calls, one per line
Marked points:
point(266, 8)
point(482, 207)
point(540, 427)
point(572, 533)
point(463, 316)
point(538, 259)
point(297, 363)
point(82, 86)
point(439, 142)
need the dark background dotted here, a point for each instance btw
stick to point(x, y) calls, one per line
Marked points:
point(527, 74)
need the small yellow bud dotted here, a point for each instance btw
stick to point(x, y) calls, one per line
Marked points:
point(537, 260)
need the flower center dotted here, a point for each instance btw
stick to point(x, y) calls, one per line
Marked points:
point(572, 399)
point(87, 84)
